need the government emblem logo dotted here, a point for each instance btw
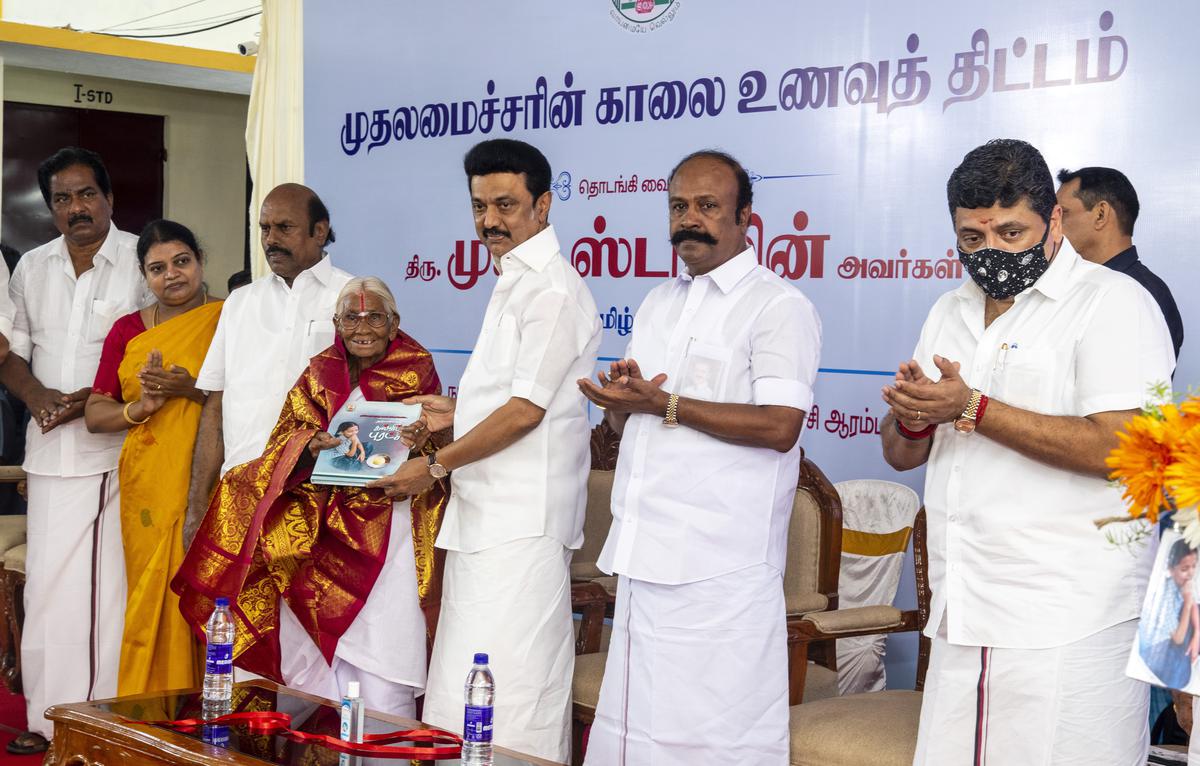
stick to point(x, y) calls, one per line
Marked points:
point(641, 16)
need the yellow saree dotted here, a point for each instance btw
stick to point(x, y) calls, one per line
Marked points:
point(158, 651)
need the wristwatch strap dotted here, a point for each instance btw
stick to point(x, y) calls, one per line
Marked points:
point(671, 421)
point(972, 410)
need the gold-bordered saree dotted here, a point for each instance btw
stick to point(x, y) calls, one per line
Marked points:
point(158, 651)
point(270, 533)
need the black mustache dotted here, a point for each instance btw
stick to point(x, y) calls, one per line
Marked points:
point(81, 218)
point(691, 235)
point(277, 250)
point(496, 232)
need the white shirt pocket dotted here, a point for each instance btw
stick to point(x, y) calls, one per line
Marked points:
point(318, 336)
point(705, 371)
point(1027, 378)
point(104, 314)
point(502, 345)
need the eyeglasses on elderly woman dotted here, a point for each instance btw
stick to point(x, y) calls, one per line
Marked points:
point(350, 319)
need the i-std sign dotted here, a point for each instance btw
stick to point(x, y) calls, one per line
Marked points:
point(92, 95)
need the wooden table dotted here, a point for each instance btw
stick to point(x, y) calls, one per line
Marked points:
point(102, 733)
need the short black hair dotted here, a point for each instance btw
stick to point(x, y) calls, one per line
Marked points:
point(506, 155)
point(1004, 171)
point(317, 212)
point(162, 230)
point(1179, 551)
point(745, 193)
point(238, 279)
point(11, 256)
point(65, 158)
point(344, 425)
point(1106, 184)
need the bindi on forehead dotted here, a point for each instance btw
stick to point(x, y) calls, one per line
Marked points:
point(362, 300)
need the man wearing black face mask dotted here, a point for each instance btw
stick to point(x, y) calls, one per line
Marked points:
point(1019, 382)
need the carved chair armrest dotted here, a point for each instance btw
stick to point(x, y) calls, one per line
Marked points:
point(857, 621)
point(840, 623)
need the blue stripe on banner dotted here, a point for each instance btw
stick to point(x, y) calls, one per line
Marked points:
point(827, 370)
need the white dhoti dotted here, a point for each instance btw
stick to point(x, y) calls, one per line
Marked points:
point(74, 593)
point(696, 674)
point(1071, 705)
point(513, 602)
point(383, 649)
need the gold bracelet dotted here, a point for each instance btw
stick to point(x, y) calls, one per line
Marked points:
point(671, 421)
point(130, 420)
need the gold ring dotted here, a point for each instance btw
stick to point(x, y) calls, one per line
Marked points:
point(919, 415)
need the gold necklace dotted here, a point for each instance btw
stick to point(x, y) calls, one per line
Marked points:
point(154, 316)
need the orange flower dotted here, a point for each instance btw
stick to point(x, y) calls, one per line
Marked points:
point(1182, 477)
point(1140, 461)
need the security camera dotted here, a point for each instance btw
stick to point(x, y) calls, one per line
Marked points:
point(248, 48)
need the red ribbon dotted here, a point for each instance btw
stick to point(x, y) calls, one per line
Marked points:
point(379, 745)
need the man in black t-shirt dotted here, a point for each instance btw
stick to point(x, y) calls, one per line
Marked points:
point(1100, 207)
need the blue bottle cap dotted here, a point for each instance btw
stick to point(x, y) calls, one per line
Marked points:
point(481, 658)
point(222, 601)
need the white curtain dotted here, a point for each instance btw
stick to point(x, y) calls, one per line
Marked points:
point(275, 122)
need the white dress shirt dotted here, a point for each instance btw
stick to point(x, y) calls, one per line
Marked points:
point(1015, 559)
point(59, 328)
point(8, 309)
point(540, 334)
point(688, 506)
point(264, 339)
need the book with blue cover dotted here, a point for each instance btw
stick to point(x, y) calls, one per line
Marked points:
point(369, 445)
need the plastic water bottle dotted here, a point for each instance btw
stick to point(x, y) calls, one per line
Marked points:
point(218, 661)
point(215, 733)
point(477, 724)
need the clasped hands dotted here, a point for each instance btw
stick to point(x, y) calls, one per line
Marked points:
point(623, 390)
point(50, 407)
point(917, 401)
point(160, 384)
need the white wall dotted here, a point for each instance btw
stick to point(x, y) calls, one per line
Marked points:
point(205, 173)
point(167, 17)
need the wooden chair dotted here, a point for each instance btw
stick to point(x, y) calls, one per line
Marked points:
point(810, 579)
point(12, 616)
point(873, 727)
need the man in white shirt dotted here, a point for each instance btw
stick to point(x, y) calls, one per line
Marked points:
point(520, 463)
point(267, 333)
point(67, 294)
point(1020, 380)
point(703, 493)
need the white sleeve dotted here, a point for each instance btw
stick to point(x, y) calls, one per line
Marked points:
point(785, 352)
point(554, 333)
point(8, 309)
point(20, 341)
point(1125, 351)
point(212, 373)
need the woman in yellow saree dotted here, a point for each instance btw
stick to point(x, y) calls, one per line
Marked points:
point(145, 385)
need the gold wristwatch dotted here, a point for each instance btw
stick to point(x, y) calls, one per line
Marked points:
point(670, 421)
point(966, 421)
point(436, 469)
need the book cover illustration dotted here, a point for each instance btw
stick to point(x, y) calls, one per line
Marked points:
point(1167, 646)
point(369, 445)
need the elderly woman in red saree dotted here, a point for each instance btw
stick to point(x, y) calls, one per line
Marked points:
point(144, 386)
point(328, 584)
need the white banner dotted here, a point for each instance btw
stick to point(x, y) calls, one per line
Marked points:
point(849, 116)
